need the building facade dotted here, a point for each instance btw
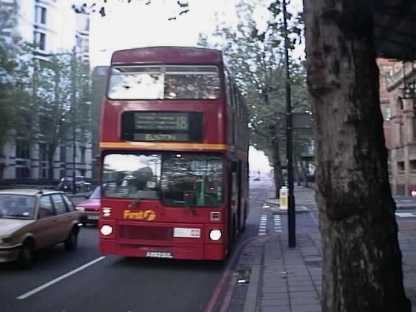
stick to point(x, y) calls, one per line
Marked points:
point(53, 27)
point(398, 104)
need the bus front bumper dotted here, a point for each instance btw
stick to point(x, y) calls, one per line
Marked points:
point(207, 252)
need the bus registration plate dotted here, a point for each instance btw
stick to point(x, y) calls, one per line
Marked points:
point(159, 254)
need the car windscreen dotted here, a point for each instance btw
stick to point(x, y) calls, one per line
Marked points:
point(96, 194)
point(164, 82)
point(177, 179)
point(17, 206)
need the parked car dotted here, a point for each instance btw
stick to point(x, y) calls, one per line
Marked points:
point(81, 185)
point(90, 208)
point(32, 219)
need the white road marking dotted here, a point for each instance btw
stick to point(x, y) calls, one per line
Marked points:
point(405, 214)
point(58, 279)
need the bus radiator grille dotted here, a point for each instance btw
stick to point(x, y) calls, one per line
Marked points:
point(145, 232)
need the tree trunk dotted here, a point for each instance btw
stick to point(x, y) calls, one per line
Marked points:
point(361, 255)
point(51, 154)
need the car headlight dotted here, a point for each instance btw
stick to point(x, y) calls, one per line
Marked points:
point(215, 235)
point(106, 230)
point(79, 208)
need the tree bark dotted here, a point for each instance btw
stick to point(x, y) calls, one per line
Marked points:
point(361, 268)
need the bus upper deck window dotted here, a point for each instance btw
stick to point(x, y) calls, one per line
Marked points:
point(164, 82)
point(132, 82)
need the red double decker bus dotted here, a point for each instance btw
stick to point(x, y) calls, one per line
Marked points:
point(174, 155)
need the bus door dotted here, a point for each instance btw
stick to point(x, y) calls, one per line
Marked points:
point(234, 199)
point(241, 197)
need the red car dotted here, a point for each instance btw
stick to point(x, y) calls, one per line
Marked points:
point(90, 208)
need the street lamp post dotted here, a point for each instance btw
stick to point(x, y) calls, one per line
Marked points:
point(73, 115)
point(289, 140)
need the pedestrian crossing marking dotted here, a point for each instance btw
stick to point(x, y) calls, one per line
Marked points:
point(262, 225)
point(277, 224)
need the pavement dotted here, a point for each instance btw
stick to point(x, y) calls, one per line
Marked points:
point(270, 276)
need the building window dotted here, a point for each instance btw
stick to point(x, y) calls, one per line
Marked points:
point(386, 111)
point(22, 172)
point(43, 157)
point(414, 128)
point(83, 152)
point(412, 165)
point(400, 104)
point(43, 151)
point(62, 153)
point(40, 15)
point(22, 149)
point(39, 39)
point(400, 166)
point(44, 173)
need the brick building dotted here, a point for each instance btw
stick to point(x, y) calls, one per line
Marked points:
point(398, 103)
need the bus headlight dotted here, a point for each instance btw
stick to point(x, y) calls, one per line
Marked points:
point(106, 212)
point(79, 208)
point(106, 230)
point(215, 235)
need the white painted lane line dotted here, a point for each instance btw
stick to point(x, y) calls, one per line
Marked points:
point(405, 214)
point(58, 279)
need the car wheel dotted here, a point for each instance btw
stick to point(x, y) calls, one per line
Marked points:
point(26, 257)
point(71, 242)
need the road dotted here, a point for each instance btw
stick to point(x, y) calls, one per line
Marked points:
point(83, 280)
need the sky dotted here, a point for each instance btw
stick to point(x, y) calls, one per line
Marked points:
point(137, 24)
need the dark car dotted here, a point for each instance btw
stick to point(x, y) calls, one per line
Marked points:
point(32, 219)
point(81, 185)
point(90, 208)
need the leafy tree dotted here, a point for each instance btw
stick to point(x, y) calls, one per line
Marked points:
point(255, 58)
point(13, 70)
point(63, 98)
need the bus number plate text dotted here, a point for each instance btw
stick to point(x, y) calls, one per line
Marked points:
point(159, 254)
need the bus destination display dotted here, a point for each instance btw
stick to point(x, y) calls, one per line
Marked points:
point(161, 121)
point(162, 126)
